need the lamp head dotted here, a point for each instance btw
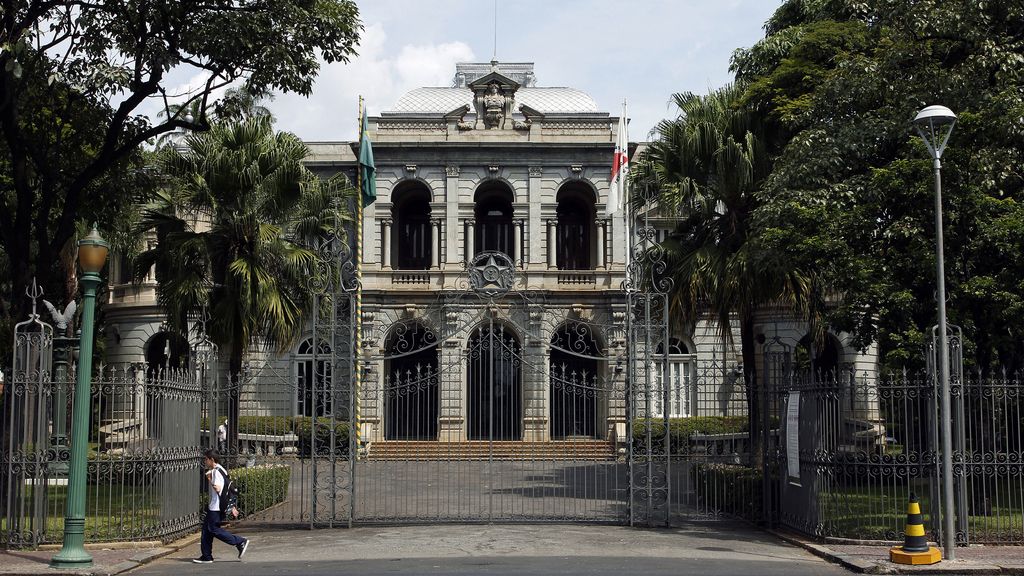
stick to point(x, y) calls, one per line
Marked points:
point(92, 252)
point(935, 124)
point(935, 115)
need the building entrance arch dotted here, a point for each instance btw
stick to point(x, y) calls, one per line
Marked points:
point(411, 384)
point(494, 383)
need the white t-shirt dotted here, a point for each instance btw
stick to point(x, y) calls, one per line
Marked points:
point(216, 485)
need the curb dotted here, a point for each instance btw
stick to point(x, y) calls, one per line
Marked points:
point(882, 566)
point(846, 561)
point(150, 555)
point(143, 557)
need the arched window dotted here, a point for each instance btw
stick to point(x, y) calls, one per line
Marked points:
point(575, 229)
point(574, 382)
point(682, 392)
point(166, 351)
point(493, 213)
point(314, 386)
point(820, 358)
point(495, 382)
point(411, 394)
point(413, 241)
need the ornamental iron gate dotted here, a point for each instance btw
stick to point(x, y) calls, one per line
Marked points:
point(490, 402)
point(288, 418)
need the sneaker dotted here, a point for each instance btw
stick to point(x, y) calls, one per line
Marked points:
point(203, 560)
point(242, 548)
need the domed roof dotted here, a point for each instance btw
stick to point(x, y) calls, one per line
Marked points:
point(544, 100)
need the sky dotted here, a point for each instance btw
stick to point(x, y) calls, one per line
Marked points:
point(641, 51)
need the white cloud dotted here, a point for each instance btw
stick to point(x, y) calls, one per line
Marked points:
point(331, 112)
point(430, 65)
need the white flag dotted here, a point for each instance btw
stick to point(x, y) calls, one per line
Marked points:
point(617, 195)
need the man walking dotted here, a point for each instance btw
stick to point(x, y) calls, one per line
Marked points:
point(216, 477)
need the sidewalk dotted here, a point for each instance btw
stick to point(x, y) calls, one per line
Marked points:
point(107, 560)
point(875, 559)
point(708, 549)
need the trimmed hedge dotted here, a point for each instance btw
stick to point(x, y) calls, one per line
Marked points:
point(301, 426)
point(260, 487)
point(680, 431)
point(729, 489)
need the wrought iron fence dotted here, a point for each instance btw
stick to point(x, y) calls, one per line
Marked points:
point(143, 450)
point(866, 443)
point(989, 459)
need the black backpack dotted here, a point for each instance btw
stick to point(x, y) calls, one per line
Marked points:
point(228, 494)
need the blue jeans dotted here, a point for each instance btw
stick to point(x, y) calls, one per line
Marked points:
point(211, 528)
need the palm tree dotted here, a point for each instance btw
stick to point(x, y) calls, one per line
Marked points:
point(234, 228)
point(706, 167)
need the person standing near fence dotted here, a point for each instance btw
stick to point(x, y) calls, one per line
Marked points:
point(216, 477)
point(222, 437)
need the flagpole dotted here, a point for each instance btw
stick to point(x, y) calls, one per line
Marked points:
point(624, 198)
point(358, 312)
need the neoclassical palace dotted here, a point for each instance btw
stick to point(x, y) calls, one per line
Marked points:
point(497, 177)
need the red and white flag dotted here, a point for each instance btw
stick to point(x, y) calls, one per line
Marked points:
point(617, 195)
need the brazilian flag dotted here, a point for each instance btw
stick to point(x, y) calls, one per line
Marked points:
point(367, 170)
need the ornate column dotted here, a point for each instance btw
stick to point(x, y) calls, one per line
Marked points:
point(435, 244)
point(552, 234)
point(518, 258)
point(470, 239)
point(601, 263)
point(451, 226)
point(535, 230)
point(385, 263)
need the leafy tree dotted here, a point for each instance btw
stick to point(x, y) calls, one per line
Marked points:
point(59, 135)
point(707, 166)
point(235, 227)
point(851, 194)
point(76, 77)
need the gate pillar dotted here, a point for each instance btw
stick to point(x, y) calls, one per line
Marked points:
point(452, 425)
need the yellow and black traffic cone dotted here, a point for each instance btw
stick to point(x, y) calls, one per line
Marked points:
point(915, 549)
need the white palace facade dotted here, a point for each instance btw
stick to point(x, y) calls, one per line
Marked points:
point(493, 163)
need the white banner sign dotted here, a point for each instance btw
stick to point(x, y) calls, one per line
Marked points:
point(793, 437)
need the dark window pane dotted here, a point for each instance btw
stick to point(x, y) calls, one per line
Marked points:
point(412, 232)
point(573, 242)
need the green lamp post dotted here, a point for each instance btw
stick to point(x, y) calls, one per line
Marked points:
point(92, 255)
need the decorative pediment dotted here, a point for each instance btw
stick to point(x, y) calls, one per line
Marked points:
point(494, 100)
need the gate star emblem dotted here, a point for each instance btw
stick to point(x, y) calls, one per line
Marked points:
point(491, 272)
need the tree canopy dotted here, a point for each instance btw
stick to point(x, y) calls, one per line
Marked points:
point(236, 227)
point(76, 79)
point(851, 191)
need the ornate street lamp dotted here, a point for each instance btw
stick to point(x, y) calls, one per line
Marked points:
point(92, 255)
point(935, 124)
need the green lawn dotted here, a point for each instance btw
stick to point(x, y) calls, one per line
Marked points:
point(116, 511)
point(113, 512)
point(876, 512)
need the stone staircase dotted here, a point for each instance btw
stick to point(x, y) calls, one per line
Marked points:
point(584, 449)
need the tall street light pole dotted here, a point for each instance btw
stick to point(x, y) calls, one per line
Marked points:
point(935, 124)
point(92, 255)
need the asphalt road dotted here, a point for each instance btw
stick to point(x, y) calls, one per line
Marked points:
point(570, 549)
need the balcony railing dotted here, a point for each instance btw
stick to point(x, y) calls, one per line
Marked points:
point(454, 278)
